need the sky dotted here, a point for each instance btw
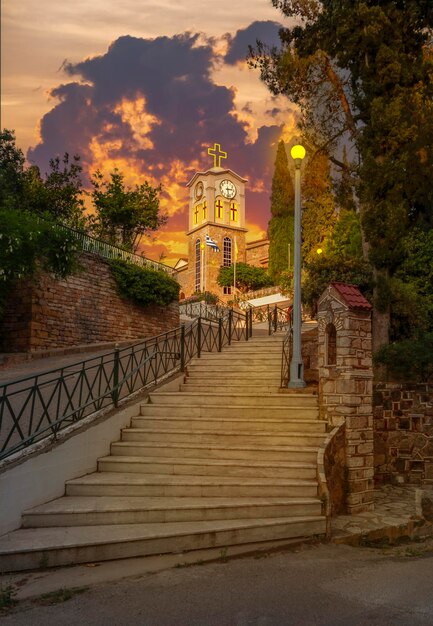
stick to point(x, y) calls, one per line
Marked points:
point(146, 86)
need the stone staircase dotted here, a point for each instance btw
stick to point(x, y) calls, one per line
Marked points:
point(228, 459)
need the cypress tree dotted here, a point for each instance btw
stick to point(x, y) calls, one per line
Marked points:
point(280, 227)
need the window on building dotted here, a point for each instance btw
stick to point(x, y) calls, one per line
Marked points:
point(227, 291)
point(197, 265)
point(227, 257)
point(204, 210)
point(219, 206)
point(196, 214)
point(331, 345)
point(233, 211)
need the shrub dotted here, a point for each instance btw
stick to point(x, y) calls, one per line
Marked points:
point(248, 277)
point(410, 360)
point(144, 286)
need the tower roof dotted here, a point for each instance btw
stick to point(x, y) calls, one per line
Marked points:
point(215, 171)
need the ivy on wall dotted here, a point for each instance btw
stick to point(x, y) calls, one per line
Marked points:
point(144, 286)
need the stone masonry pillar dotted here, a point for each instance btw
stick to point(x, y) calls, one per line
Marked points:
point(346, 384)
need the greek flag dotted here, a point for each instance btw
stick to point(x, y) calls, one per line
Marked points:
point(213, 244)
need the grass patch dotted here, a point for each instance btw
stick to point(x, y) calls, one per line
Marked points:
point(7, 597)
point(59, 596)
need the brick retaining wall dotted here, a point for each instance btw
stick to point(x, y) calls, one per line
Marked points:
point(83, 309)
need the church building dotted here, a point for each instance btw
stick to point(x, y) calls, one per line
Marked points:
point(216, 230)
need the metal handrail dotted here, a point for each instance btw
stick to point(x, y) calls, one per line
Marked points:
point(110, 251)
point(33, 408)
point(286, 357)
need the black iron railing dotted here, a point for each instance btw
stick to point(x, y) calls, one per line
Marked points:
point(37, 407)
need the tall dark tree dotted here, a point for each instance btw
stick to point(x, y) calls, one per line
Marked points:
point(362, 71)
point(280, 227)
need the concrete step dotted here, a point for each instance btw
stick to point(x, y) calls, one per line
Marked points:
point(233, 362)
point(134, 484)
point(258, 412)
point(205, 467)
point(242, 399)
point(27, 548)
point(234, 423)
point(220, 437)
point(243, 368)
point(81, 511)
point(229, 387)
point(223, 377)
point(263, 452)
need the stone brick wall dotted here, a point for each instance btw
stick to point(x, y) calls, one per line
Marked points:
point(345, 390)
point(335, 470)
point(310, 356)
point(403, 433)
point(82, 309)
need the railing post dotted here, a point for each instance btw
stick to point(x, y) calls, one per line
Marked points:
point(220, 334)
point(116, 363)
point(199, 337)
point(246, 326)
point(275, 318)
point(182, 348)
point(230, 325)
point(269, 322)
point(251, 322)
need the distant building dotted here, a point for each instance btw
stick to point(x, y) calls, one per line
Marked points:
point(217, 210)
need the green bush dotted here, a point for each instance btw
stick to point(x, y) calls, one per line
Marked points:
point(410, 360)
point(248, 277)
point(28, 243)
point(143, 285)
point(323, 271)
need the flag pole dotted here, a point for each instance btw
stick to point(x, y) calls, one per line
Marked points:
point(234, 271)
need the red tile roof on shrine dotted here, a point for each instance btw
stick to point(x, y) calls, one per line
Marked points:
point(352, 296)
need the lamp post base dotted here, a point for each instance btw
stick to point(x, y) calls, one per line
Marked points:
point(296, 375)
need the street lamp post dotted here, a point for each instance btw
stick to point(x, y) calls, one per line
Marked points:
point(296, 364)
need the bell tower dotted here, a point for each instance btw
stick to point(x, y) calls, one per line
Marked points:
point(216, 209)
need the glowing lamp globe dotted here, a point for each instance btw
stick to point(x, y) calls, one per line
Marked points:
point(319, 251)
point(297, 152)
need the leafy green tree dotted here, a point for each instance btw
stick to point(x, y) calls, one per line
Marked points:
point(124, 215)
point(145, 286)
point(248, 277)
point(346, 238)
point(362, 71)
point(280, 228)
point(11, 171)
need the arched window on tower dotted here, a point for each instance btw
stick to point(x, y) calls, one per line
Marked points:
point(227, 257)
point(197, 265)
point(331, 345)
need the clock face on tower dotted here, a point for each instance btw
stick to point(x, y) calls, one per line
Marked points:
point(199, 190)
point(228, 189)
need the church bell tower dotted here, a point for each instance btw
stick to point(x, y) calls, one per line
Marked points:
point(216, 211)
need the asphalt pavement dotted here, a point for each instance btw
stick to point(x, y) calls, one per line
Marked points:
point(321, 585)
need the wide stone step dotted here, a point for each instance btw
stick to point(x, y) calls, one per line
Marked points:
point(233, 362)
point(27, 548)
point(243, 399)
point(259, 412)
point(307, 454)
point(221, 437)
point(89, 511)
point(224, 377)
point(130, 484)
point(229, 387)
point(244, 368)
point(205, 467)
point(232, 423)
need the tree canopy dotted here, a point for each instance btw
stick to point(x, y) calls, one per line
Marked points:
point(123, 215)
point(361, 72)
point(248, 277)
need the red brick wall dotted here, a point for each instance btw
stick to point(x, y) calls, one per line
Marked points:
point(82, 309)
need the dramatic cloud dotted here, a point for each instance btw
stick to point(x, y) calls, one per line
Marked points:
point(266, 32)
point(151, 107)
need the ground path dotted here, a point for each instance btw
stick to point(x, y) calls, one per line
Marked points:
point(310, 585)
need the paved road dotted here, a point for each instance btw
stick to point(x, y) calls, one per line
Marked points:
point(321, 585)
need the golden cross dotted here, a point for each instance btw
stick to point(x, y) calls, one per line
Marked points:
point(217, 154)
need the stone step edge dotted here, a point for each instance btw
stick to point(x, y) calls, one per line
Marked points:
point(185, 480)
point(242, 420)
point(166, 460)
point(166, 505)
point(195, 446)
point(180, 531)
point(224, 433)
